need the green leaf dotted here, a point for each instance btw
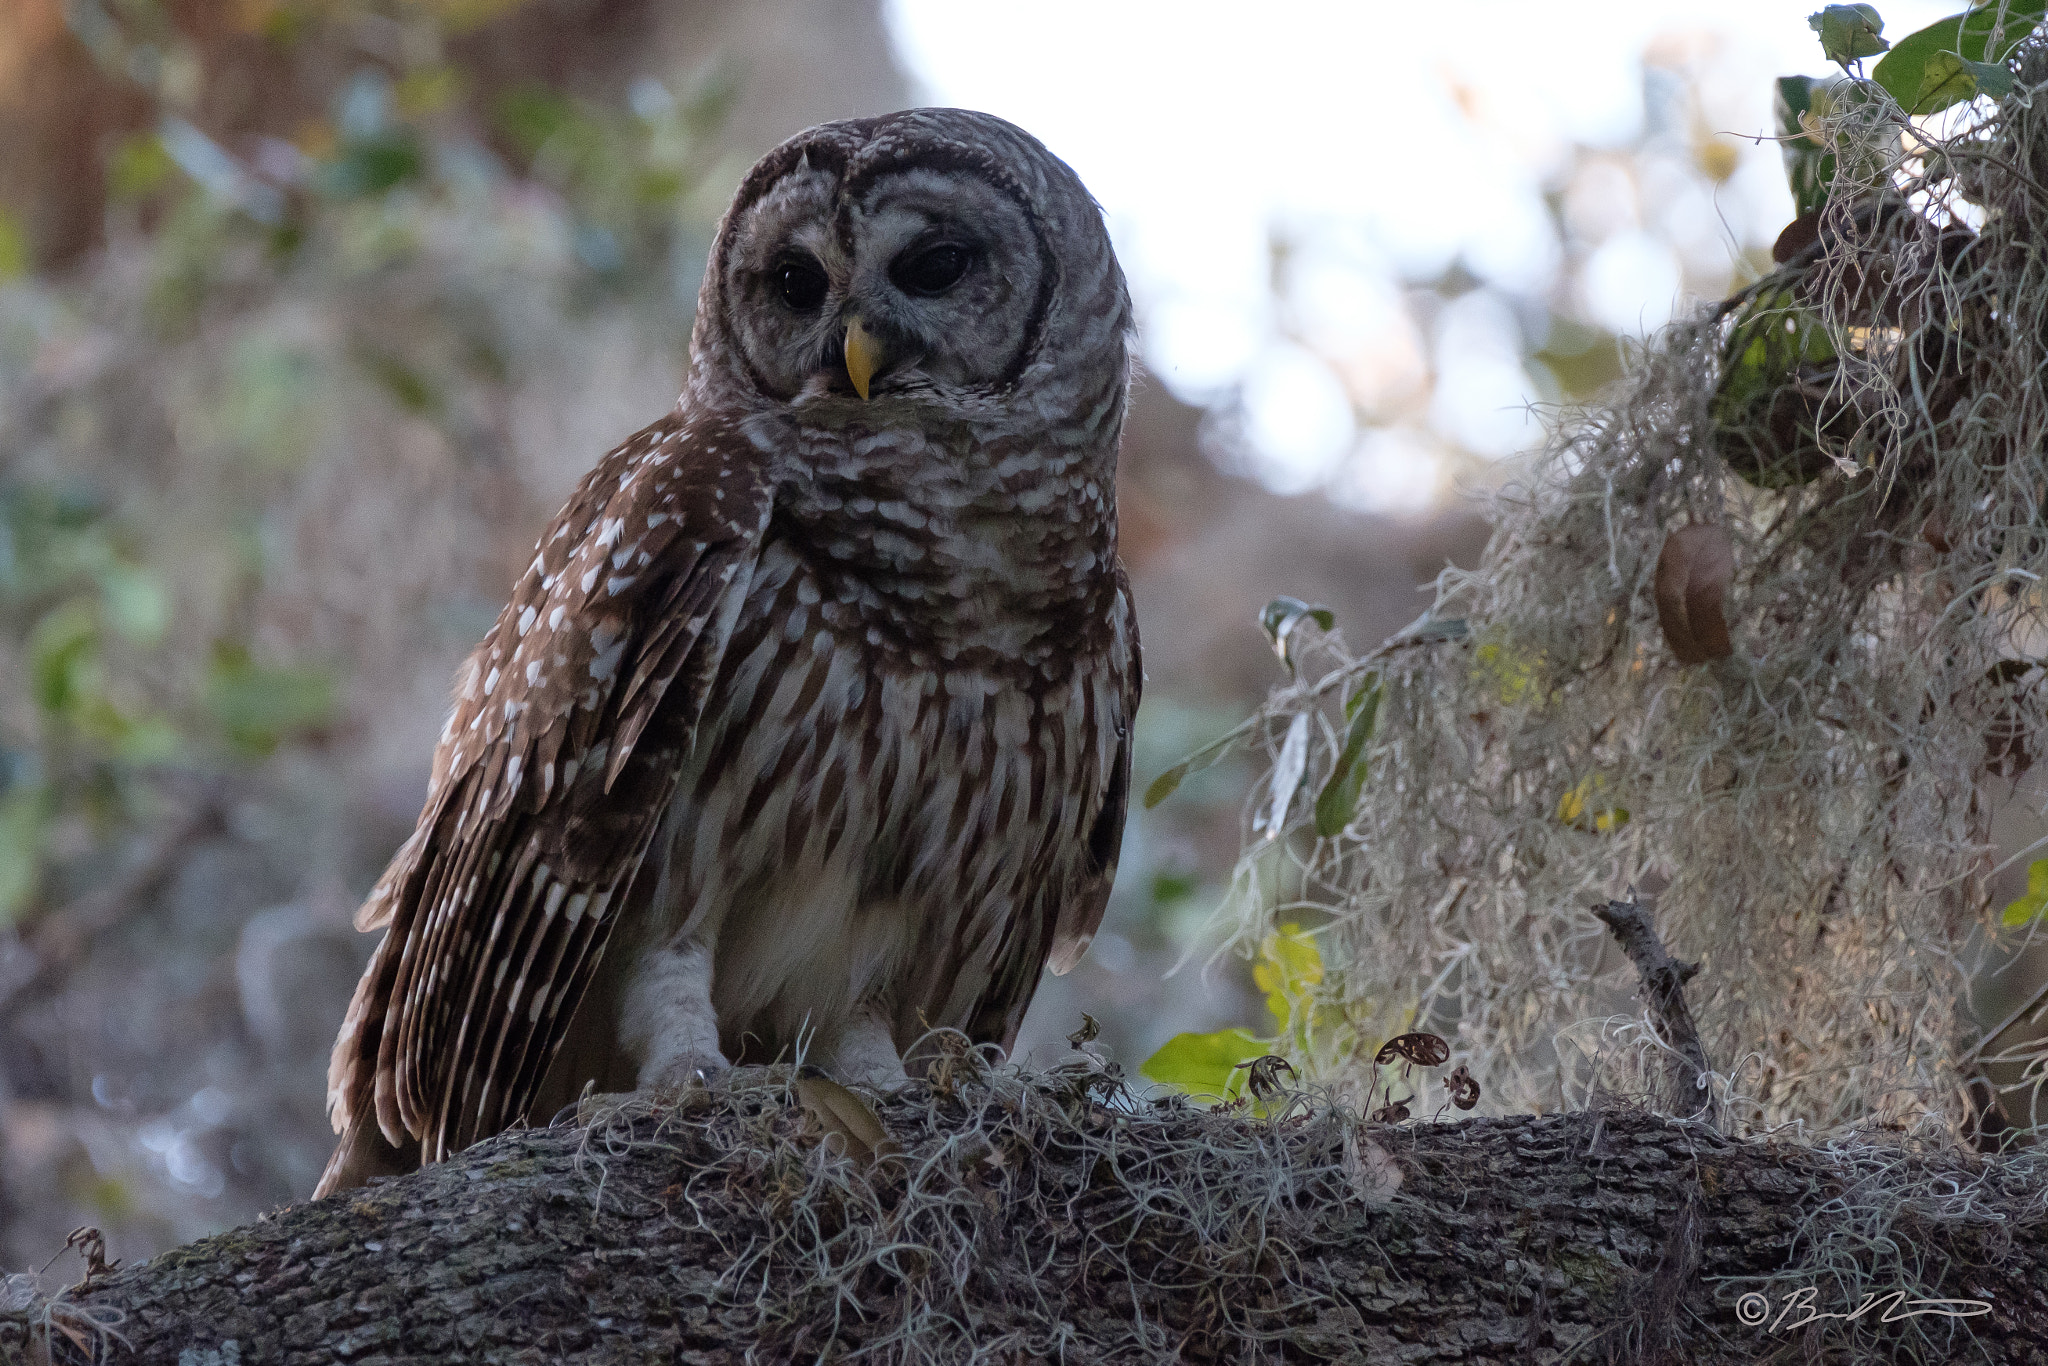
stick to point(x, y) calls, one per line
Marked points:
point(64, 658)
point(1848, 32)
point(1991, 78)
point(1772, 337)
point(1941, 64)
point(427, 90)
point(1162, 786)
point(1442, 628)
point(1339, 797)
point(1205, 1064)
point(135, 602)
point(1947, 79)
point(412, 390)
point(258, 705)
point(656, 187)
point(372, 164)
point(21, 840)
point(14, 252)
point(266, 402)
point(1776, 351)
point(532, 115)
point(1282, 615)
point(138, 167)
point(146, 740)
point(1206, 757)
point(2029, 907)
point(1289, 970)
point(1809, 167)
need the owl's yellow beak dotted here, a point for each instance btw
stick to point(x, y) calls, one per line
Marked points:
point(863, 356)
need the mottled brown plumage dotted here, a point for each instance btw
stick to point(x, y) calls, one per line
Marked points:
point(808, 727)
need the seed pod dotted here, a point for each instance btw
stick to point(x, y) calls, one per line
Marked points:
point(1464, 1088)
point(1693, 574)
point(1262, 1077)
point(1429, 1050)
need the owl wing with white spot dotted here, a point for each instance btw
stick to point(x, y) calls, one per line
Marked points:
point(561, 753)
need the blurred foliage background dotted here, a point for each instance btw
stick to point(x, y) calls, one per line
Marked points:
point(311, 313)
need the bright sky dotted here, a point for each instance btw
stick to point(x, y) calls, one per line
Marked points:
point(1387, 140)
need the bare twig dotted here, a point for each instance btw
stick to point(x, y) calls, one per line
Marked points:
point(59, 940)
point(1688, 1090)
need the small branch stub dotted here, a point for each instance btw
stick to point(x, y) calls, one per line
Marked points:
point(1687, 1091)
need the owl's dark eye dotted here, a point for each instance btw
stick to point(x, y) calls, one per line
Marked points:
point(801, 282)
point(931, 270)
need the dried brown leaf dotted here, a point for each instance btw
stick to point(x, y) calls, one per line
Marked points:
point(841, 1113)
point(1801, 233)
point(1693, 573)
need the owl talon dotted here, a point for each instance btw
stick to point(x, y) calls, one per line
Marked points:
point(691, 1070)
point(582, 1112)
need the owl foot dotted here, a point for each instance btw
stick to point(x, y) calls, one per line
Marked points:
point(595, 1109)
point(867, 1054)
point(672, 1086)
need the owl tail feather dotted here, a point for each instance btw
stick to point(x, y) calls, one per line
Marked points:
point(364, 1153)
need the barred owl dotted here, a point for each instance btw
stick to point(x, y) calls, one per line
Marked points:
point(809, 725)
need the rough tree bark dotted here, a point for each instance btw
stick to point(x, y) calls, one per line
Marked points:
point(1035, 1221)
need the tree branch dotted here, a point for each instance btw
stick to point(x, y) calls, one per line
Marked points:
point(1055, 1217)
point(1687, 1085)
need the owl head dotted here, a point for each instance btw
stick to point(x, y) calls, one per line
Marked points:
point(933, 261)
